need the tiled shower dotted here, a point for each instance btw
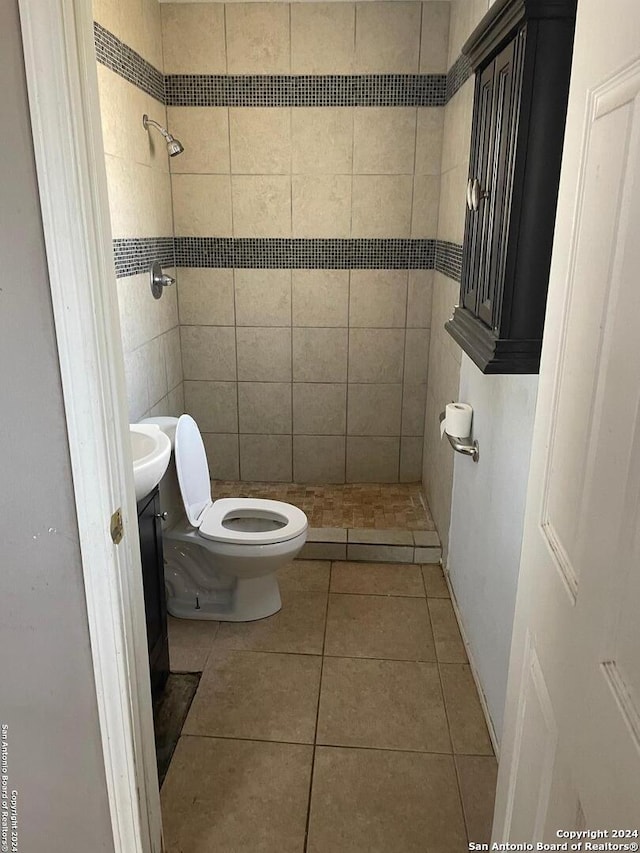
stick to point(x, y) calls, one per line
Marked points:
point(313, 224)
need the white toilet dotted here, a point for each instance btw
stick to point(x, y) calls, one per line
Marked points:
point(220, 562)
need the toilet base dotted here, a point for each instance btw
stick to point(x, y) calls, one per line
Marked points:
point(246, 600)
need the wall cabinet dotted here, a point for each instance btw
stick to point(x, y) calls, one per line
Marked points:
point(155, 604)
point(521, 55)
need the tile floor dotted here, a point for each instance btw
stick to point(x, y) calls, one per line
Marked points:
point(399, 506)
point(347, 723)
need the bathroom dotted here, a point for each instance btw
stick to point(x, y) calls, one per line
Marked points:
point(309, 224)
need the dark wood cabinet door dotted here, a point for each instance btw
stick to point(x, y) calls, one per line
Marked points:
point(476, 222)
point(154, 593)
point(507, 91)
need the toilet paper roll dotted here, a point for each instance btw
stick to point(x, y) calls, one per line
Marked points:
point(457, 420)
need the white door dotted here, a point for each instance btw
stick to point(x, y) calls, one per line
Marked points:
point(570, 756)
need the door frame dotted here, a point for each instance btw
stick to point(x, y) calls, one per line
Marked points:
point(62, 84)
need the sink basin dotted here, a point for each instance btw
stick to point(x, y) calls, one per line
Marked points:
point(151, 451)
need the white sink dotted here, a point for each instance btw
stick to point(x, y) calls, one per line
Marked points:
point(151, 451)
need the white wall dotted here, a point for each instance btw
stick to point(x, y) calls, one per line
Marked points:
point(487, 518)
point(47, 690)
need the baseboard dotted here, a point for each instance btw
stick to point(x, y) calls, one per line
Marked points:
point(474, 672)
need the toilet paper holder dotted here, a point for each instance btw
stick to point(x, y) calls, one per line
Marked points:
point(464, 445)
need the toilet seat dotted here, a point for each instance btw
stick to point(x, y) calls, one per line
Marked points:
point(279, 521)
point(292, 521)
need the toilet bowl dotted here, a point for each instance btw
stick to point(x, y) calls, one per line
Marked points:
point(220, 562)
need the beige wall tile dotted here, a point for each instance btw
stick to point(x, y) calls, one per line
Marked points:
point(419, 296)
point(381, 205)
point(322, 139)
point(320, 355)
point(457, 116)
point(321, 206)
point(260, 140)
point(258, 38)
point(117, 102)
point(223, 455)
point(319, 409)
point(173, 357)
point(416, 356)
point(263, 297)
point(193, 38)
point(261, 205)
point(429, 135)
point(453, 188)
point(372, 460)
point(266, 457)
point(376, 355)
point(131, 198)
point(410, 459)
point(264, 355)
point(161, 213)
point(205, 296)
point(265, 407)
point(213, 405)
point(202, 205)
point(320, 297)
point(208, 352)
point(387, 37)
point(155, 370)
point(322, 38)
point(384, 140)
point(141, 316)
point(414, 401)
point(426, 196)
point(204, 132)
point(435, 38)
point(378, 298)
point(374, 409)
point(108, 13)
point(318, 459)
point(465, 15)
point(135, 374)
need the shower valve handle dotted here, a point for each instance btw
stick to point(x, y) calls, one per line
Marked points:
point(159, 280)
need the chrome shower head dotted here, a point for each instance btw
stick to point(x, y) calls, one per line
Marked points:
point(174, 146)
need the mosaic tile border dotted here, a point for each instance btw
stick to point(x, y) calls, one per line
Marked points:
point(291, 253)
point(122, 59)
point(457, 76)
point(328, 90)
point(133, 255)
point(448, 260)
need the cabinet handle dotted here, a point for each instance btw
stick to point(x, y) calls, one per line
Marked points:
point(477, 194)
point(162, 515)
point(469, 186)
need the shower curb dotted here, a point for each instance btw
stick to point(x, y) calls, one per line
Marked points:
point(372, 545)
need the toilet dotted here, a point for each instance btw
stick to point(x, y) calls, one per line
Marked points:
point(221, 560)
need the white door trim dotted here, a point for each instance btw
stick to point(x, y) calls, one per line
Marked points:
point(63, 96)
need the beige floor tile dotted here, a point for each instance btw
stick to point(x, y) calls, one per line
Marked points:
point(305, 576)
point(257, 695)
point(383, 704)
point(190, 642)
point(376, 626)
point(449, 645)
point(298, 627)
point(434, 581)
point(384, 802)
point(377, 579)
point(478, 777)
point(232, 796)
point(466, 720)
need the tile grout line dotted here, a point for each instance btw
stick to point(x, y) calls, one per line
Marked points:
point(315, 733)
point(446, 713)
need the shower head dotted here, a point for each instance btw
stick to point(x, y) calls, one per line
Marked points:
point(174, 146)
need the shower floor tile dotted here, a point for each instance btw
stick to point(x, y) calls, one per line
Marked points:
point(374, 506)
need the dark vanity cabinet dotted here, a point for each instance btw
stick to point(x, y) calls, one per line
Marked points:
point(155, 605)
point(521, 55)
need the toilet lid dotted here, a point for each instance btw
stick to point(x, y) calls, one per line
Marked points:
point(251, 521)
point(192, 469)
